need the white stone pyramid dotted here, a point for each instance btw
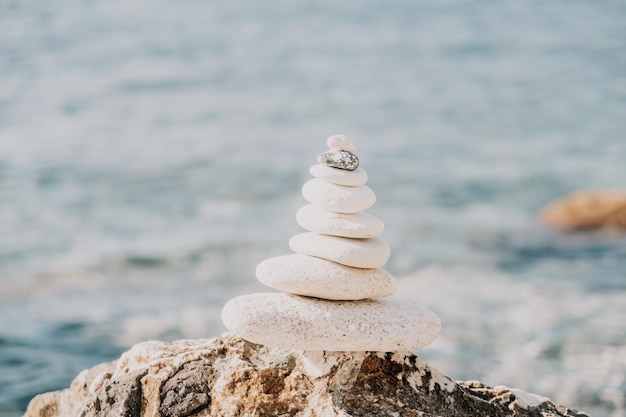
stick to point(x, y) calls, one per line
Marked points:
point(336, 296)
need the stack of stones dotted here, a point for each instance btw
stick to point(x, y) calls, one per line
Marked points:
point(335, 293)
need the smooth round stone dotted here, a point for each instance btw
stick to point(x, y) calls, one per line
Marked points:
point(290, 321)
point(359, 253)
point(338, 198)
point(339, 176)
point(315, 277)
point(340, 143)
point(355, 225)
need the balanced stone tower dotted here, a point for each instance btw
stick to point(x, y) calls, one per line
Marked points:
point(336, 296)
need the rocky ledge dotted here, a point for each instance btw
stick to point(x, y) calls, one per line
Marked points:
point(228, 376)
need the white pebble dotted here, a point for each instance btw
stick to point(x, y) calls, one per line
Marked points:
point(290, 321)
point(341, 143)
point(355, 225)
point(315, 277)
point(339, 176)
point(359, 253)
point(338, 198)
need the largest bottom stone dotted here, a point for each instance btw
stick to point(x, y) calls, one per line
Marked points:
point(294, 322)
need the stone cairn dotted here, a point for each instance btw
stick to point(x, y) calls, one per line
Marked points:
point(335, 293)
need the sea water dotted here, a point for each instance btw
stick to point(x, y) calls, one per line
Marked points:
point(152, 153)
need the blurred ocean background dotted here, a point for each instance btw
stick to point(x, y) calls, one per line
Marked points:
point(152, 154)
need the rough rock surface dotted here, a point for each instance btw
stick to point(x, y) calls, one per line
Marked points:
point(228, 376)
point(587, 209)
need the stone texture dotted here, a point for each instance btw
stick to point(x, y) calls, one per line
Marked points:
point(354, 178)
point(338, 198)
point(587, 209)
point(72, 401)
point(290, 321)
point(316, 277)
point(358, 253)
point(354, 225)
point(119, 397)
point(339, 159)
point(228, 377)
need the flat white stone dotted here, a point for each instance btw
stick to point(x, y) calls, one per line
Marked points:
point(359, 253)
point(355, 225)
point(290, 321)
point(340, 143)
point(339, 176)
point(316, 277)
point(338, 198)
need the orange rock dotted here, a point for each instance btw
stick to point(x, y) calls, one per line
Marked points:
point(587, 209)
